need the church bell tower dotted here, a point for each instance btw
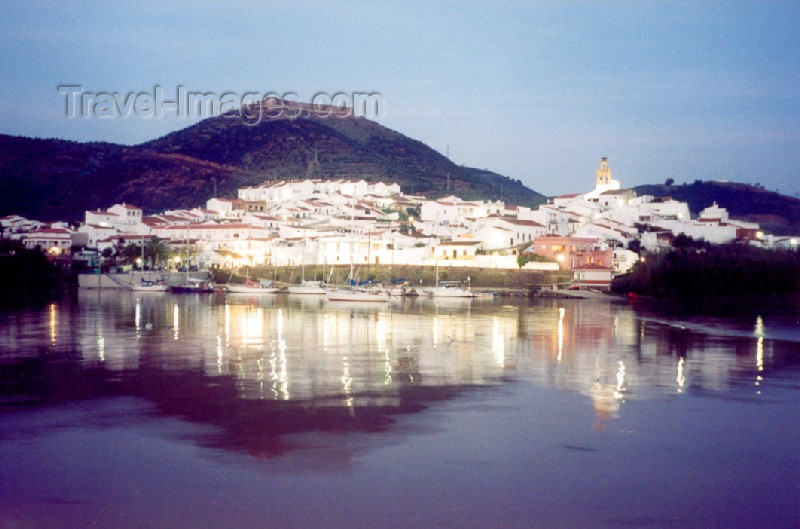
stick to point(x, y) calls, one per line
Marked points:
point(604, 173)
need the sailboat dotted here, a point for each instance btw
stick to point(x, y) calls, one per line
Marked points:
point(354, 292)
point(145, 285)
point(251, 287)
point(448, 289)
point(190, 284)
point(306, 287)
point(149, 286)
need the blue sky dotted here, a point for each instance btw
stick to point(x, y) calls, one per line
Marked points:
point(536, 91)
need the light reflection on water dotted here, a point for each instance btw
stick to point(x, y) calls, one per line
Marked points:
point(269, 378)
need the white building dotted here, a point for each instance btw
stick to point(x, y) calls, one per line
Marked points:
point(453, 210)
point(127, 214)
point(226, 207)
point(54, 241)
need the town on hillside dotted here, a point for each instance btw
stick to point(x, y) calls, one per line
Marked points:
point(596, 234)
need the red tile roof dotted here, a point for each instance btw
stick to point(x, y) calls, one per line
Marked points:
point(591, 266)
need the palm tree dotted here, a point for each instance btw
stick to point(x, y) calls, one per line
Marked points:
point(158, 251)
point(130, 253)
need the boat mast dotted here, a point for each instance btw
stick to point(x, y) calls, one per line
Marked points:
point(352, 239)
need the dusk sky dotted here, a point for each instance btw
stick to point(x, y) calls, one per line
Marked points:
point(539, 92)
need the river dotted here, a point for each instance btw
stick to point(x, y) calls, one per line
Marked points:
point(147, 410)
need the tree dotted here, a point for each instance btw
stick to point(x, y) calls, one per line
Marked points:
point(669, 182)
point(118, 248)
point(157, 250)
point(635, 245)
point(130, 253)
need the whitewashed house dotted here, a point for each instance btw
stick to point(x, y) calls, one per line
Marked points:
point(230, 208)
point(127, 215)
point(96, 233)
point(53, 241)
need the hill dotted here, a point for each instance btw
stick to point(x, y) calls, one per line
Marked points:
point(775, 212)
point(51, 179)
point(332, 147)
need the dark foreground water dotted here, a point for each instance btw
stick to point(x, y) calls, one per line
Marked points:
point(161, 411)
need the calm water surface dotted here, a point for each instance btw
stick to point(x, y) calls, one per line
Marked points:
point(126, 410)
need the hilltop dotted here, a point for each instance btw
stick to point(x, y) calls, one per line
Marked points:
point(775, 213)
point(51, 179)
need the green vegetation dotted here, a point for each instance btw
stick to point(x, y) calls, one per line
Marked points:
point(50, 179)
point(27, 274)
point(695, 271)
point(776, 213)
point(525, 258)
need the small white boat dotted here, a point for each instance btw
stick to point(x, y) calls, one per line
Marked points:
point(485, 295)
point(251, 289)
point(149, 286)
point(449, 289)
point(357, 294)
point(307, 287)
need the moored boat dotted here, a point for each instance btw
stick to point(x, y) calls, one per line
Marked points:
point(307, 287)
point(149, 286)
point(251, 289)
point(357, 294)
point(449, 289)
point(193, 286)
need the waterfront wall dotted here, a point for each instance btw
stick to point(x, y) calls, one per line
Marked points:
point(124, 281)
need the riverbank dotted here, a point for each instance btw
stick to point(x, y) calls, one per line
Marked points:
point(481, 279)
point(715, 273)
point(27, 278)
